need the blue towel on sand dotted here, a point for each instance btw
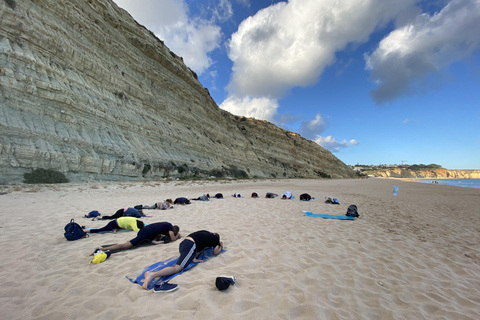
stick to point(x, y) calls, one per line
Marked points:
point(327, 216)
point(205, 255)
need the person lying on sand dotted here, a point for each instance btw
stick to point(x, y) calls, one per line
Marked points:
point(151, 233)
point(120, 223)
point(181, 200)
point(164, 205)
point(271, 195)
point(189, 248)
point(286, 195)
point(305, 197)
point(125, 212)
point(237, 195)
point(205, 197)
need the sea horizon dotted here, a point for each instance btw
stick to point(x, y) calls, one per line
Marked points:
point(466, 183)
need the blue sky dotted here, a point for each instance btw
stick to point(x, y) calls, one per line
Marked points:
point(373, 81)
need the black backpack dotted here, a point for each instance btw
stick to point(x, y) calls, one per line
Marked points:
point(73, 231)
point(352, 211)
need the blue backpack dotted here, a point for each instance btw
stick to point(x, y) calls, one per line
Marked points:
point(73, 231)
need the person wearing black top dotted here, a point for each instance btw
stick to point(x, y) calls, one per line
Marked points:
point(189, 248)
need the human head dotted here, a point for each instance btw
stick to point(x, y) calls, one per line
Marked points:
point(140, 224)
point(284, 196)
point(169, 201)
point(176, 229)
point(217, 236)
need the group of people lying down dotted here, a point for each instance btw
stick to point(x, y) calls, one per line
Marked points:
point(164, 232)
point(285, 196)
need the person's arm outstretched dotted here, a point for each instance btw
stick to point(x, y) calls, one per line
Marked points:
point(218, 248)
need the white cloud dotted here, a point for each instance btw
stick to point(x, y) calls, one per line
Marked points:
point(333, 145)
point(312, 129)
point(289, 44)
point(258, 108)
point(222, 11)
point(191, 38)
point(427, 45)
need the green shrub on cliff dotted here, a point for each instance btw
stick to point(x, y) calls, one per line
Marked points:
point(418, 167)
point(44, 176)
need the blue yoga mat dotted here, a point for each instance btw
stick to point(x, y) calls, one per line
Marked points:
point(327, 216)
point(205, 255)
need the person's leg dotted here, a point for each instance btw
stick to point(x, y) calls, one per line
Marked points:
point(150, 207)
point(112, 225)
point(117, 215)
point(116, 247)
point(160, 273)
point(187, 253)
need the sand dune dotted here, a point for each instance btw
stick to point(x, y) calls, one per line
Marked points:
point(413, 256)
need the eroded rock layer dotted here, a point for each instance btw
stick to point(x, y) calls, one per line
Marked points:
point(87, 91)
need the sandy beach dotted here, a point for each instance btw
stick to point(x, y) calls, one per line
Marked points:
point(411, 256)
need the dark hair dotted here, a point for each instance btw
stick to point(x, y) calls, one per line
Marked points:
point(140, 224)
point(217, 236)
point(169, 200)
point(176, 229)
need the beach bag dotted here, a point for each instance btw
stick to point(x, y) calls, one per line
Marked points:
point(92, 214)
point(73, 231)
point(352, 211)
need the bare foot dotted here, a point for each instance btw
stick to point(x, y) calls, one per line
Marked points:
point(147, 280)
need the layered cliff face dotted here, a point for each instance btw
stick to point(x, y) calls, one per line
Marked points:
point(87, 91)
point(427, 174)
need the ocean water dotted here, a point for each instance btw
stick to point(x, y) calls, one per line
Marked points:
point(467, 183)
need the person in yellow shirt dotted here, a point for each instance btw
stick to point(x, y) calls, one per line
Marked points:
point(120, 223)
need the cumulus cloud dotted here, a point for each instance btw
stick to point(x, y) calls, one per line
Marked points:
point(191, 38)
point(258, 108)
point(426, 45)
point(312, 129)
point(290, 43)
point(333, 145)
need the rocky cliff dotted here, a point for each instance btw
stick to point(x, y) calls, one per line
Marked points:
point(87, 91)
point(426, 174)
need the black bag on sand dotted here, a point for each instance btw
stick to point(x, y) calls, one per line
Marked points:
point(73, 231)
point(352, 211)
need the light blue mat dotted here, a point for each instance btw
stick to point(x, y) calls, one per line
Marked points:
point(310, 200)
point(205, 255)
point(327, 216)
